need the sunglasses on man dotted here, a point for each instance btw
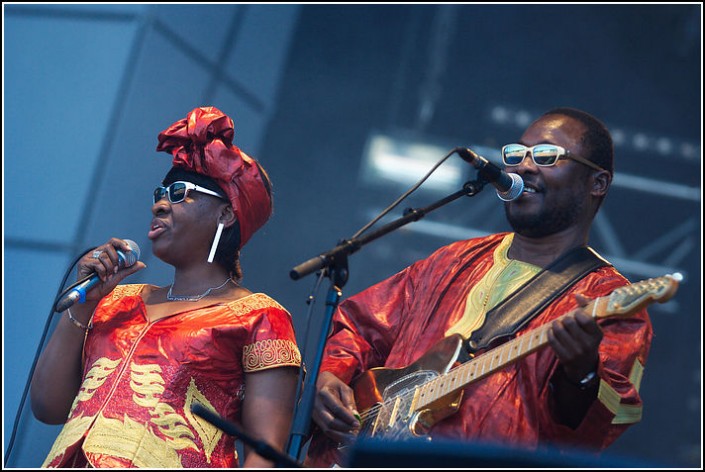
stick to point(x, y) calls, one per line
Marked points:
point(543, 155)
point(177, 191)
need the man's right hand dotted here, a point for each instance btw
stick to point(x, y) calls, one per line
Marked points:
point(334, 410)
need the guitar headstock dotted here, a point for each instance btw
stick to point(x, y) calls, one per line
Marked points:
point(631, 298)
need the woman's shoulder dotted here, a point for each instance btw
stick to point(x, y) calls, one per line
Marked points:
point(126, 290)
point(255, 302)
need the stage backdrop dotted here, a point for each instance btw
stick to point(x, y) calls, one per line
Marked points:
point(347, 106)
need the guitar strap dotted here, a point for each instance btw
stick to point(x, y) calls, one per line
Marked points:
point(507, 317)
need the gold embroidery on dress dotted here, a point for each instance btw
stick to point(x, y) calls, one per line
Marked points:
point(95, 377)
point(136, 442)
point(256, 301)
point(268, 353)
point(207, 433)
point(504, 277)
point(74, 429)
point(127, 290)
point(130, 440)
point(147, 383)
point(70, 434)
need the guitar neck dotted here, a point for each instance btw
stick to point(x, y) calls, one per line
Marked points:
point(623, 301)
point(492, 361)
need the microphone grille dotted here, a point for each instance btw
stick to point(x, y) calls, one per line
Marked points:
point(132, 256)
point(514, 191)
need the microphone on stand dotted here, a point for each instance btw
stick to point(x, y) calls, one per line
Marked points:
point(78, 293)
point(509, 185)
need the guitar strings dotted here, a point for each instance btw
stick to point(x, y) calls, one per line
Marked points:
point(373, 410)
point(637, 287)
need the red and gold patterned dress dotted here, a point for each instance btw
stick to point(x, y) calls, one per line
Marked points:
point(141, 378)
point(395, 322)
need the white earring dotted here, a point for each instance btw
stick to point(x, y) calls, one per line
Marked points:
point(215, 242)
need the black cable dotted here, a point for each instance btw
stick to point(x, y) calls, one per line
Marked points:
point(71, 287)
point(39, 350)
point(401, 198)
point(323, 273)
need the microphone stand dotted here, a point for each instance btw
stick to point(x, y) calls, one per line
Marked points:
point(260, 447)
point(334, 263)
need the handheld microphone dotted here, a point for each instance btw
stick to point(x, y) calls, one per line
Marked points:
point(78, 293)
point(509, 185)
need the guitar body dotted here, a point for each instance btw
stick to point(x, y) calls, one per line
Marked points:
point(384, 396)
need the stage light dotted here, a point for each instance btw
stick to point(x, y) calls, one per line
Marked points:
point(405, 160)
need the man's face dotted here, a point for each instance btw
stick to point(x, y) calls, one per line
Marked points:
point(556, 197)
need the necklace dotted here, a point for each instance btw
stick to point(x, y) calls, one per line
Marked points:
point(193, 298)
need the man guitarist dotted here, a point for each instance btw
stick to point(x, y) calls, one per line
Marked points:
point(582, 391)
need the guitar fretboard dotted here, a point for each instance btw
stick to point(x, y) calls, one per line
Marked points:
point(489, 362)
point(480, 367)
point(622, 301)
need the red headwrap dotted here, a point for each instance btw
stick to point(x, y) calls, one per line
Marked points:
point(203, 143)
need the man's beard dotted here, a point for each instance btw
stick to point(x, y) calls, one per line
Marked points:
point(545, 222)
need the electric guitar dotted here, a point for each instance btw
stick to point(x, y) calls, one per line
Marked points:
point(404, 403)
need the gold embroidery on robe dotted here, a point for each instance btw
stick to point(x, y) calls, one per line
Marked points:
point(636, 374)
point(95, 378)
point(623, 414)
point(127, 290)
point(268, 353)
point(504, 277)
point(207, 433)
point(74, 429)
point(147, 383)
point(71, 433)
point(130, 440)
point(256, 301)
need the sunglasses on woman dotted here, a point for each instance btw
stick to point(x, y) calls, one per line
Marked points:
point(177, 191)
point(543, 155)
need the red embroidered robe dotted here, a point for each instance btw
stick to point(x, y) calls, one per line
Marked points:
point(395, 322)
point(140, 380)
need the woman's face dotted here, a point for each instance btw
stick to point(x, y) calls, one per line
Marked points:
point(182, 233)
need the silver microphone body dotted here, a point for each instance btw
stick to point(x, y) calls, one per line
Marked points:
point(509, 185)
point(78, 293)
